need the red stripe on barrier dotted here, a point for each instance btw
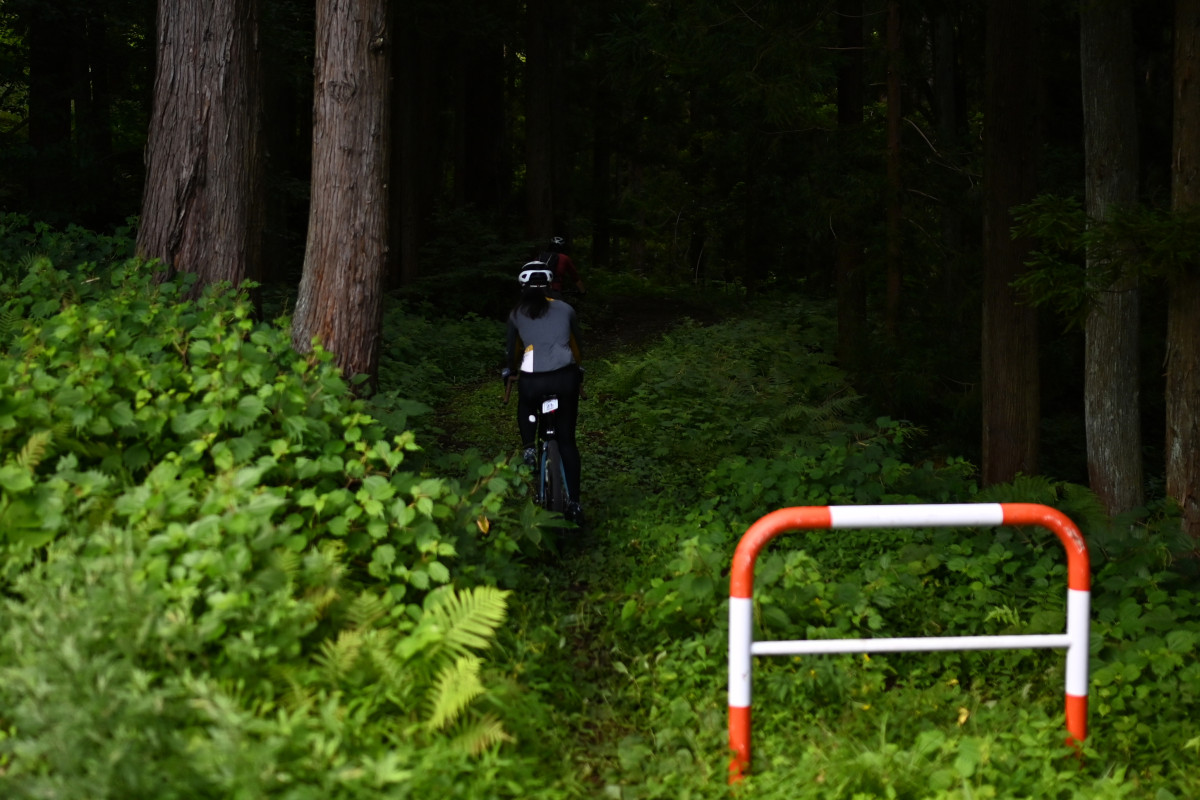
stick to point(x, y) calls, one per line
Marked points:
point(1078, 564)
point(1077, 709)
point(739, 741)
point(741, 575)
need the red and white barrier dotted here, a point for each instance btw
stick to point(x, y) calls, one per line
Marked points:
point(742, 647)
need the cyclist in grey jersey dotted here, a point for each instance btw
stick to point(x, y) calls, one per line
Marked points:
point(542, 344)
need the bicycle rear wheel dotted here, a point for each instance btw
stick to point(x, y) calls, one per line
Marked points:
point(554, 479)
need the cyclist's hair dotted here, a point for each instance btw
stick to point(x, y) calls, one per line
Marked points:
point(533, 302)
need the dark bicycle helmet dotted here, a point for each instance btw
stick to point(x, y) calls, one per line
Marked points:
point(534, 274)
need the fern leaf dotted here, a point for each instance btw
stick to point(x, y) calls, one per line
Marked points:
point(34, 450)
point(338, 658)
point(391, 667)
point(366, 609)
point(10, 318)
point(456, 687)
point(484, 733)
point(468, 620)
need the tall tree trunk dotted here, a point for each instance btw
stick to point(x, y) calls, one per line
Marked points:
point(1011, 388)
point(202, 208)
point(851, 283)
point(894, 196)
point(1111, 407)
point(539, 111)
point(340, 301)
point(1183, 308)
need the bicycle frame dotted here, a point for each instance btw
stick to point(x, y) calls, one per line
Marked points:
point(549, 466)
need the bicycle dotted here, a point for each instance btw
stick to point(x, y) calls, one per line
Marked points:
point(552, 492)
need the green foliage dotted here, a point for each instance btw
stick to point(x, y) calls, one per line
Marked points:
point(754, 387)
point(1140, 240)
point(427, 358)
point(643, 650)
point(142, 392)
point(223, 575)
point(284, 597)
point(110, 689)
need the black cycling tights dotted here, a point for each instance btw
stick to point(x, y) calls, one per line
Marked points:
point(564, 383)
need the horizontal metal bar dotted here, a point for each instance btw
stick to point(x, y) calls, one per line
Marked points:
point(906, 645)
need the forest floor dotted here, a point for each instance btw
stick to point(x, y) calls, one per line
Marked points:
point(617, 323)
point(584, 566)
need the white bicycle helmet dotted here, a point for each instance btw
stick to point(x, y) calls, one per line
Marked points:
point(535, 274)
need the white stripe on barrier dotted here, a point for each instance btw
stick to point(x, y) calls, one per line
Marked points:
point(741, 618)
point(1079, 608)
point(789, 647)
point(917, 516)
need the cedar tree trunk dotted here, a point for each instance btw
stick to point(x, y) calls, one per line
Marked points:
point(203, 207)
point(340, 302)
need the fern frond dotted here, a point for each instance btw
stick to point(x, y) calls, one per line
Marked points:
point(321, 597)
point(482, 734)
point(337, 658)
point(10, 318)
point(34, 450)
point(468, 620)
point(1083, 506)
point(392, 669)
point(300, 693)
point(365, 610)
point(1022, 489)
point(456, 687)
point(623, 379)
point(287, 561)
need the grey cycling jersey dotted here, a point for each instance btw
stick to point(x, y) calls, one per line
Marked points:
point(547, 339)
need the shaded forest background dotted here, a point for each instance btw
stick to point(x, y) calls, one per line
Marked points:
point(834, 149)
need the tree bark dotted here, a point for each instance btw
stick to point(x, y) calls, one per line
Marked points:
point(202, 207)
point(340, 301)
point(1183, 307)
point(1011, 388)
point(1111, 401)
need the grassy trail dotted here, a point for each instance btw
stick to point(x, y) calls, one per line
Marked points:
point(561, 640)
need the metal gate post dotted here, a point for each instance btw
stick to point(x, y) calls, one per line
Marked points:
point(742, 647)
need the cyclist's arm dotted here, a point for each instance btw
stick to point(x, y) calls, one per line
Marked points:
point(575, 338)
point(512, 347)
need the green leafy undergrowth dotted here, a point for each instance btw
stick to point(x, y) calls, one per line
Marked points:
point(111, 688)
point(223, 574)
point(639, 611)
point(76, 249)
point(750, 387)
point(139, 405)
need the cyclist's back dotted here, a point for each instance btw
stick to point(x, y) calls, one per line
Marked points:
point(543, 346)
